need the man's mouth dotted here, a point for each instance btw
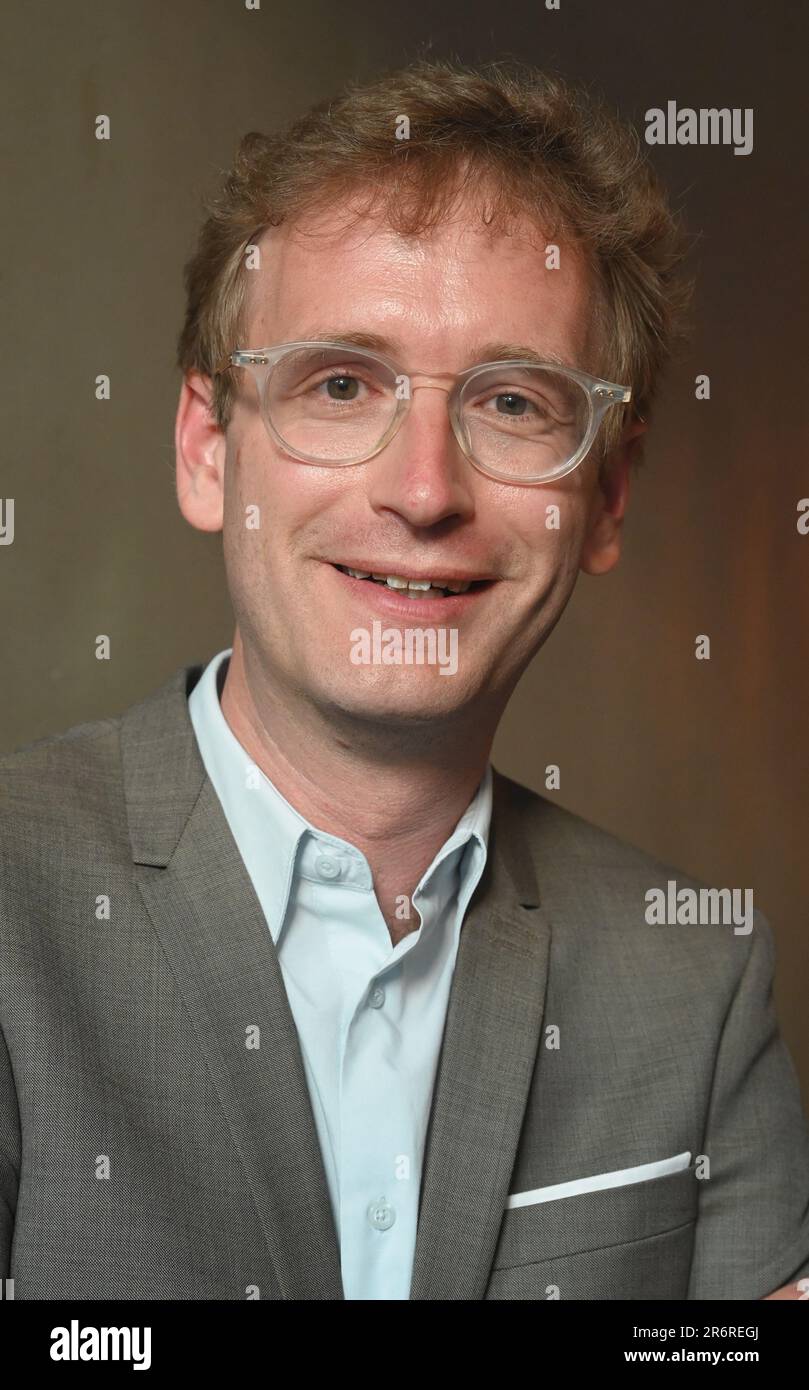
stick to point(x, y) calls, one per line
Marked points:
point(433, 586)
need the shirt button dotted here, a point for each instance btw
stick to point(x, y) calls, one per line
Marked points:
point(377, 997)
point(381, 1215)
point(327, 868)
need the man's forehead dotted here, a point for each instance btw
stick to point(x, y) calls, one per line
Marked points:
point(326, 277)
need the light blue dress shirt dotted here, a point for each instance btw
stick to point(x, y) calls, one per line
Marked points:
point(369, 1015)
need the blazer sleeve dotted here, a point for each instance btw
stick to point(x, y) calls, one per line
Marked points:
point(752, 1231)
point(9, 1157)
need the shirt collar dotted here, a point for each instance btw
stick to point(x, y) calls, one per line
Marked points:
point(271, 834)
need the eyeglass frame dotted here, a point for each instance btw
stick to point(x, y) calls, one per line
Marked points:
point(601, 395)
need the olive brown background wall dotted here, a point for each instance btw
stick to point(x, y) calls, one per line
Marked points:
point(700, 762)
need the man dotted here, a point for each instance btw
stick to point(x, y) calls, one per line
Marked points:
point(299, 998)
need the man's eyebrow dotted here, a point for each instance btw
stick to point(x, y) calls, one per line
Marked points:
point(375, 342)
point(504, 352)
point(486, 352)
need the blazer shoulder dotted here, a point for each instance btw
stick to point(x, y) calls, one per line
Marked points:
point(601, 886)
point(72, 781)
point(571, 837)
point(52, 772)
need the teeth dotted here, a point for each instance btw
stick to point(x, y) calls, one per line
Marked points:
point(414, 587)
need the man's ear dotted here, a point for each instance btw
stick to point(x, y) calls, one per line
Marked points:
point(200, 450)
point(602, 546)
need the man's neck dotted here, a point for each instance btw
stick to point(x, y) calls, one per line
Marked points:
point(398, 811)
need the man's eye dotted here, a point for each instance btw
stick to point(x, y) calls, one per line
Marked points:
point(509, 403)
point(513, 405)
point(342, 388)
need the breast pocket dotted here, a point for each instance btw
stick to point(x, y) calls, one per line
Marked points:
point(628, 1242)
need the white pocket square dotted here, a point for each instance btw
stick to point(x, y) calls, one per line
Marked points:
point(619, 1178)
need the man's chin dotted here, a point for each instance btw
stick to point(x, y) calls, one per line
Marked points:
point(396, 700)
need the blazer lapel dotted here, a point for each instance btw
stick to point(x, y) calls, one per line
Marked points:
point(204, 910)
point(491, 1037)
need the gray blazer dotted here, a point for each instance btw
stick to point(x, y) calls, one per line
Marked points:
point(146, 1153)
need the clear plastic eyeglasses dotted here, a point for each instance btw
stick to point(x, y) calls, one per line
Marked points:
point(334, 404)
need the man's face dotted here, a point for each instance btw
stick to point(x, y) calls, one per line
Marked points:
point(418, 509)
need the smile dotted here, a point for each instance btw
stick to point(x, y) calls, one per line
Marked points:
point(429, 588)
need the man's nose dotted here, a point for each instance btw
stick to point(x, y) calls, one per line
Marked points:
point(422, 474)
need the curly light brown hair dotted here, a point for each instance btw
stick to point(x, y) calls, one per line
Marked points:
point(526, 142)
